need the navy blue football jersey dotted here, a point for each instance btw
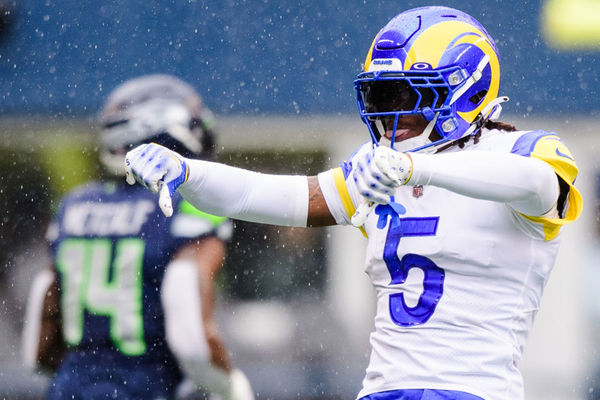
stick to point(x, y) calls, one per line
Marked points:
point(111, 245)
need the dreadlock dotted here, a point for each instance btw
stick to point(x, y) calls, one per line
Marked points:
point(501, 126)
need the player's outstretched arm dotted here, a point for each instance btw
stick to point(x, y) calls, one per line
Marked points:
point(228, 191)
point(527, 184)
point(318, 211)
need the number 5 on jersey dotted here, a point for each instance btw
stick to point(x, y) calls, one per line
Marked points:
point(433, 280)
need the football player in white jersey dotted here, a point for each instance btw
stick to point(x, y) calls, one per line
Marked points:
point(462, 213)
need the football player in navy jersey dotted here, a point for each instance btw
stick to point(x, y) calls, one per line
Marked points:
point(127, 309)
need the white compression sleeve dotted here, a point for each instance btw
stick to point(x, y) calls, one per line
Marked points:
point(527, 184)
point(180, 299)
point(33, 317)
point(250, 196)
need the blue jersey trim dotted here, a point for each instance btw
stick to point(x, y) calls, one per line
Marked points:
point(561, 154)
point(525, 145)
point(421, 394)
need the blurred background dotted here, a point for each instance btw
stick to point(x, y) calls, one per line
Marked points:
point(295, 305)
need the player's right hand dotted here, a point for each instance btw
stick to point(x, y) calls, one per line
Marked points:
point(158, 169)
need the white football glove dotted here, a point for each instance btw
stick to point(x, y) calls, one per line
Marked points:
point(158, 169)
point(240, 386)
point(377, 175)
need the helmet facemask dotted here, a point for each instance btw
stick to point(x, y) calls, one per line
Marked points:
point(386, 98)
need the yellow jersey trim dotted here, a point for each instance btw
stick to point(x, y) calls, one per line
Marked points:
point(340, 184)
point(550, 149)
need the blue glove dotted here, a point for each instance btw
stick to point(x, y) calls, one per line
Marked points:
point(159, 170)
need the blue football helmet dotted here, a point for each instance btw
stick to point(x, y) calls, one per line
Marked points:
point(434, 62)
point(154, 108)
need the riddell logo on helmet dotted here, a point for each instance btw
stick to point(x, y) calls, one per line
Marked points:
point(382, 62)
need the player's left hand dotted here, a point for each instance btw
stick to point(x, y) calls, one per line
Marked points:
point(158, 169)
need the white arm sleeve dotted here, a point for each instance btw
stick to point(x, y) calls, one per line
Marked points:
point(526, 184)
point(33, 317)
point(180, 296)
point(181, 301)
point(250, 196)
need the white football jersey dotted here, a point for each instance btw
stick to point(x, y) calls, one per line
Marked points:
point(458, 280)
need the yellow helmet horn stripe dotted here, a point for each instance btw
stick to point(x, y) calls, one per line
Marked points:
point(430, 45)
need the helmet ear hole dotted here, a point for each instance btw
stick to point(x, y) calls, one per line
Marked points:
point(477, 97)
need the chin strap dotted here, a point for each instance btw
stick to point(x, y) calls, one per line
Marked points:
point(495, 111)
point(495, 108)
point(429, 128)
